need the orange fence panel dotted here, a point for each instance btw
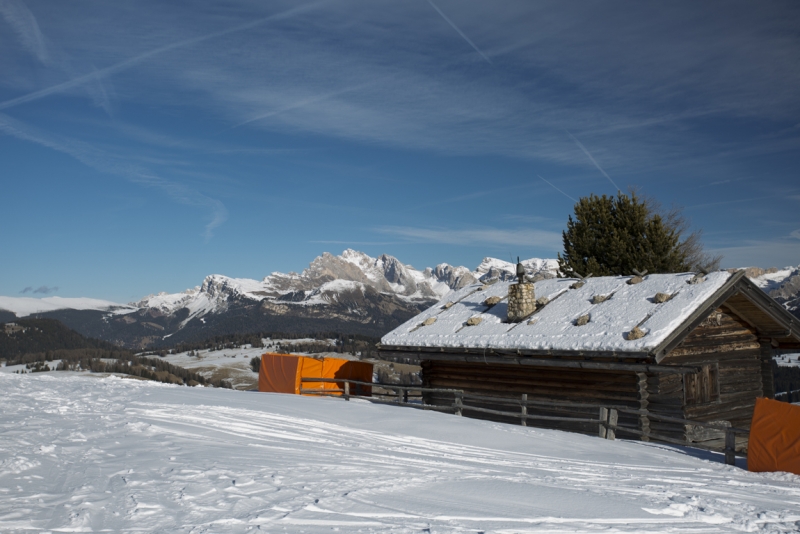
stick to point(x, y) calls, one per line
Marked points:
point(283, 373)
point(774, 437)
point(278, 373)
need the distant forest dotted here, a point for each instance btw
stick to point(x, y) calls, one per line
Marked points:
point(343, 343)
point(46, 335)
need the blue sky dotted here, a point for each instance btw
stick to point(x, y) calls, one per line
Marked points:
point(146, 145)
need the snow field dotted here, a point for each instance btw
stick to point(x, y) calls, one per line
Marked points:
point(81, 455)
point(233, 365)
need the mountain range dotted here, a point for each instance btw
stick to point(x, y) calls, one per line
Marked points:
point(351, 293)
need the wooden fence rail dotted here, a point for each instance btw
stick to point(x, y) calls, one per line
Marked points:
point(607, 420)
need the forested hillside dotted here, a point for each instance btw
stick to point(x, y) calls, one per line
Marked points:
point(43, 335)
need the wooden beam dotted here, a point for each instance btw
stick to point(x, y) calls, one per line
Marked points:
point(489, 351)
point(739, 314)
point(541, 362)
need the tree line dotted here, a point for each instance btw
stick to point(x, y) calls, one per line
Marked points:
point(342, 343)
point(46, 335)
point(147, 368)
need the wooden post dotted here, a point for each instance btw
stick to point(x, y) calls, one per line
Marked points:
point(524, 409)
point(611, 433)
point(399, 393)
point(767, 383)
point(730, 447)
point(458, 402)
point(603, 418)
point(405, 396)
point(347, 391)
point(644, 420)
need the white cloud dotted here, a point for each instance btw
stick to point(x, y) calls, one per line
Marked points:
point(388, 74)
point(760, 254)
point(19, 17)
point(96, 75)
point(477, 236)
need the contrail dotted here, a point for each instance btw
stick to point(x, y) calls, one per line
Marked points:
point(557, 189)
point(128, 63)
point(467, 39)
point(593, 161)
point(310, 100)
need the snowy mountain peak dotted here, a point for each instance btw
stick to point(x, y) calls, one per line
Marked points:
point(327, 276)
point(352, 286)
point(532, 265)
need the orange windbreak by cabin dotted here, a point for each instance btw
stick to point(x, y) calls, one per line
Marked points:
point(774, 437)
point(283, 373)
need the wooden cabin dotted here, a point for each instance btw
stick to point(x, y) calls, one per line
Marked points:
point(692, 346)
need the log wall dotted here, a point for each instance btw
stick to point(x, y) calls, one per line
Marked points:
point(729, 353)
point(623, 388)
point(725, 349)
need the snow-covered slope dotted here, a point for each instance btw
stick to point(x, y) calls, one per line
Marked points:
point(83, 454)
point(24, 306)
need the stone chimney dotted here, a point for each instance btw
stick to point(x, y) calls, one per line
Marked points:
point(521, 298)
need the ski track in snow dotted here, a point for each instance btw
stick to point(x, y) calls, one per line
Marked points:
point(82, 454)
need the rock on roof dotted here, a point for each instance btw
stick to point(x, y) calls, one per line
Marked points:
point(555, 326)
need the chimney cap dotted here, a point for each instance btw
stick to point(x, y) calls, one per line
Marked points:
point(520, 271)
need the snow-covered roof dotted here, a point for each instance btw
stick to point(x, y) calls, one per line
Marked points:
point(553, 327)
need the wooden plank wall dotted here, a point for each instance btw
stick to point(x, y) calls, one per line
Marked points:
point(728, 351)
point(543, 383)
point(725, 348)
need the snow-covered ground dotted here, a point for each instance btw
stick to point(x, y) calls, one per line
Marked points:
point(233, 365)
point(80, 454)
point(788, 360)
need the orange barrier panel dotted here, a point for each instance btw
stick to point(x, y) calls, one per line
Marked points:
point(774, 437)
point(278, 373)
point(283, 373)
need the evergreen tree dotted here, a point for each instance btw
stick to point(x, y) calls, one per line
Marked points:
point(615, 235)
